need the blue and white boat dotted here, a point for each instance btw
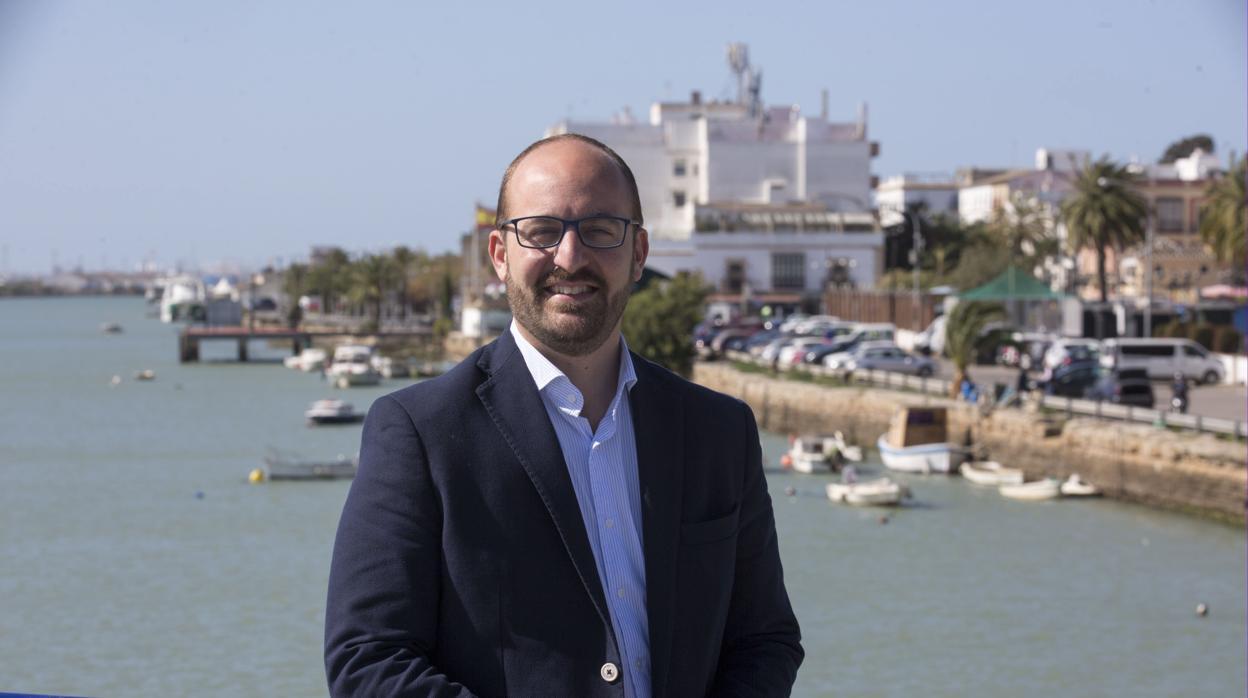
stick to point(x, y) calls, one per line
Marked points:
point(923, 458)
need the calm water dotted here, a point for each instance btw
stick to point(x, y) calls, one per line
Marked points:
point(135, 560)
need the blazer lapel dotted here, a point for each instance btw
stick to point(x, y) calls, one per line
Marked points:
point(513, 403)
point(658, 426)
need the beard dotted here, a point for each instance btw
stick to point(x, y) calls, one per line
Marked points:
point(571, 329)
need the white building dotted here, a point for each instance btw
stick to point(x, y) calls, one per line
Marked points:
point(696, 160)
point(935, 193)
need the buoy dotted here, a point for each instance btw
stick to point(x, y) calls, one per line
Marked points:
point(790, 490)
point(884, 519)
point(1202, 610)
point(116, 380)
point(786, 461)
point(255, 476)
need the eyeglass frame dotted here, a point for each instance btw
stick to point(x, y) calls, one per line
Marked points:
point(574, 223)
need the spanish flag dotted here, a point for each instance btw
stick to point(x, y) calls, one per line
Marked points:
point(485, 217)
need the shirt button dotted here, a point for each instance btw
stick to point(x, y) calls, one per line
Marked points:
point(620, 592)
point(609, 672)
point(610, 523)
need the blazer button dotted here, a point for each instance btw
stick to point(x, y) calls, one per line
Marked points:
point(609, 672)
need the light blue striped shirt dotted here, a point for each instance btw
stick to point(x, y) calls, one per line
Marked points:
point(603, 467)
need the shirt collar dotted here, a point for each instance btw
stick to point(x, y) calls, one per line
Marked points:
point(544, 372)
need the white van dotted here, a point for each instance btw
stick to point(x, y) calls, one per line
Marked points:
point(1163, 358)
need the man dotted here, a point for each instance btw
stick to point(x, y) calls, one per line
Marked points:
point(557, 516)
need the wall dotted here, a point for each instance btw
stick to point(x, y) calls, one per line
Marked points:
point(1186, 472)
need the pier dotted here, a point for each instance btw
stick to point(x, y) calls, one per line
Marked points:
point(191, 337)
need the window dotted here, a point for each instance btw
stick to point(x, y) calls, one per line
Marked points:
point(678, 199)
point(1144, 350)
point(1194, 351)
point(788, 271)
point(734, 275)
point(1170, 214)
point(678, 168)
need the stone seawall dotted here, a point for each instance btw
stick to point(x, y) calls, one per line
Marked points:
point(1196, 473)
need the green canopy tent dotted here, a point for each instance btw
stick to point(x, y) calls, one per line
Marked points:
point(1013, 284)
point(1032, 305)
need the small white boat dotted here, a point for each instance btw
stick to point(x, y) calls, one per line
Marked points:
point(352, 366)
point(924, 458)
point(310, 359)
point(146, 374)
point(1075, 486)
point(990, 472)
point(1048, 488)
point(808, 454)
point(878, 492)
point(390, 367)
point(333, 412)
point(110, 328)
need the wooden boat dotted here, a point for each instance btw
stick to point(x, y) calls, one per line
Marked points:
point(1075, 486)
point(916, 441)
point(990, 472)
point(1048, 488)
point(281, 468)
point(878, 492)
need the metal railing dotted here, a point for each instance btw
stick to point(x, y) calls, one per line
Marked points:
point(1071, 406)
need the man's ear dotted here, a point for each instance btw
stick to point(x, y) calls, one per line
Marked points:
point(641, 250)
point(498, 253)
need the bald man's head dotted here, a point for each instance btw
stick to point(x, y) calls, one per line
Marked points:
point(626, 174)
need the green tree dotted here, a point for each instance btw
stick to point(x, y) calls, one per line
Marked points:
point(294, 285)
point(1105, 211)
point(964, 332)
point(371, 277)
point(1025, 229)
point(659, 321)
point(1222, 220)
point(1184, 147)
point(329, 277)
point(404, 259)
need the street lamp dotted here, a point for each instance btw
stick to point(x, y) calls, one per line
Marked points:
point(917, 247)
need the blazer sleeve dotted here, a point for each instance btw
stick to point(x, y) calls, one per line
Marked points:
point(761, 648)
point(382, 607)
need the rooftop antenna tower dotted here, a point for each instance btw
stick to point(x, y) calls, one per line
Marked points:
point(749, 80)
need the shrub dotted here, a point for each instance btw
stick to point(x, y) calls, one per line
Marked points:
point(1203, 335)
point(1227, 340)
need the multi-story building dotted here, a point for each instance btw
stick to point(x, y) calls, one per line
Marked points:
point(739, 191)
point(935, 194)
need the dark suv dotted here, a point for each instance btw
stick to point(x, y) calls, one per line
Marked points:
point(1123, 386)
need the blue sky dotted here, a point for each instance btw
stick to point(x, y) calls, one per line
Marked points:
point(243, 132)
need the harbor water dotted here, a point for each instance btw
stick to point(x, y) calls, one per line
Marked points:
point(137, 560)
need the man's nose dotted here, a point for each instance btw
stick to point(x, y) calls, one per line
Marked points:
point(571, 254)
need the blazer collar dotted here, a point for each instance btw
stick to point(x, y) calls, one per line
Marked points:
point(511, 399)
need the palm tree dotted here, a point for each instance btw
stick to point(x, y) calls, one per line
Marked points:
point(371, 277)
point(1105, 212)
point(294, 283)
point(1222, 217)
point(403, 259)
point(964, 332)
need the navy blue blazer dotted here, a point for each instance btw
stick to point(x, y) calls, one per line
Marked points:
point(462, 566)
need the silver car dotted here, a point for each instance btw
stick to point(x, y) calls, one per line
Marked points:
point(875, 357)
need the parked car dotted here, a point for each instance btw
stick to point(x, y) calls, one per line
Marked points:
point(1123, 386)
point(1163, 357)
point(846, 339)
point(1067, 350)
point(1072, 379)
point(878, 356)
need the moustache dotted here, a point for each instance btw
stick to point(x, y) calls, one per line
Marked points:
point(584, 276)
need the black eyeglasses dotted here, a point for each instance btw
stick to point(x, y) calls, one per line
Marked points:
point(598, 232)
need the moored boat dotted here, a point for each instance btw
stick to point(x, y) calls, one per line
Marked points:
point(333, 412)
point(878, 492)
point(1048, 488)
point(310, 359)
point(352, 366)
point(1075, 486)
point(991, 473)
point(280, 468)
point(809, 453)
point(916, 441)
